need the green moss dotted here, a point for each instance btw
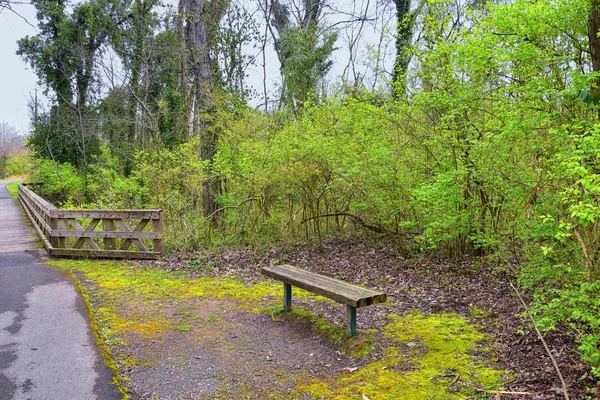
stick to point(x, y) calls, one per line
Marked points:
point(155, 284)
point(363, 345)
point(183, 328)
point(431, 358)
point(478, 312)
point(335, 332)
point(121, 284)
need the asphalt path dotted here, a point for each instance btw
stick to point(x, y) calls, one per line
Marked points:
point(47, 349)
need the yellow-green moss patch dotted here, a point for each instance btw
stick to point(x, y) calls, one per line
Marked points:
point(478, 313)
point(153, 284)
point(431, 358)
point(335, 332)
point(135, 288)
point(363, 345)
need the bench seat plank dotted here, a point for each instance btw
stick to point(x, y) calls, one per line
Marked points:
point(342, 292)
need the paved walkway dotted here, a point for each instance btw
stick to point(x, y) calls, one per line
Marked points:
point(47, 350)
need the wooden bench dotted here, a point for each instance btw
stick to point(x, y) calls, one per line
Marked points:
point(352, 295)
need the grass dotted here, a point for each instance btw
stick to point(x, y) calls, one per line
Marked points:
point(13, 189)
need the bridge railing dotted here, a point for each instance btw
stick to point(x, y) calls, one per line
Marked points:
point(95, 233)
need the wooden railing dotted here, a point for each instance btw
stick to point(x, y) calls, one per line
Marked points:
point(95, 233)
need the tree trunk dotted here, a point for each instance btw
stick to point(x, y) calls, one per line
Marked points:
point(594, 41)
point(203, 17)
point(405, 21)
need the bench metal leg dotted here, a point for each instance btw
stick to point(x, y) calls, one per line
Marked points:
point(351, 314)
point(287, 297)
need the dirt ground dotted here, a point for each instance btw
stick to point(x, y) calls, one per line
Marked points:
point(245, 359)
point(222, 350)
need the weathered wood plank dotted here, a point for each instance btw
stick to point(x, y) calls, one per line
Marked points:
point(57, 225)
point(107, 214)
point(336, 285)
point(85, 253)
point(107, 234)
point(108, 225)
point(39, 232)
point(139, 227)
point(15, 235)
point(35, 217)
point(159, 226)
point(340, 291)
point(81, 233)
point(34, 198)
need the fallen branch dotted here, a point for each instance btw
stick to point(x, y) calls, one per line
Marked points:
point(562, 380)
point(231, 206)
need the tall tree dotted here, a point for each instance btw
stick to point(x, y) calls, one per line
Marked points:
point(133, 44)
point(202, 18)
point(304, 49)
point(594, 41)
point(63, 55)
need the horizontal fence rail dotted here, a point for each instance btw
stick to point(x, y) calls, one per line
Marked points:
point(95, 233)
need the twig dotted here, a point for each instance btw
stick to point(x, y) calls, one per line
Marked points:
point(480, 390)
point(586, 255)
point(456, 378)
point(562, 380)
point(504, 392)
point(235, 206)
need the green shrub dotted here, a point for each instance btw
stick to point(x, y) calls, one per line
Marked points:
point(18, 164)
point(60, 183)
point(563, 272)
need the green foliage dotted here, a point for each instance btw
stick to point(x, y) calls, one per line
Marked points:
point(564, 270)
point(58, 136)
point(61, 183)
point(102, 187)
point(306, 56)
point(18, 164)
point(173, 180)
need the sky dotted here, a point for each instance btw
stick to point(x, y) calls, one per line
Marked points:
point(17, 81)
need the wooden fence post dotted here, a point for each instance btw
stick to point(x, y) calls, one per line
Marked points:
point(60, 225)
point(108, 225)
point(158, 225)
